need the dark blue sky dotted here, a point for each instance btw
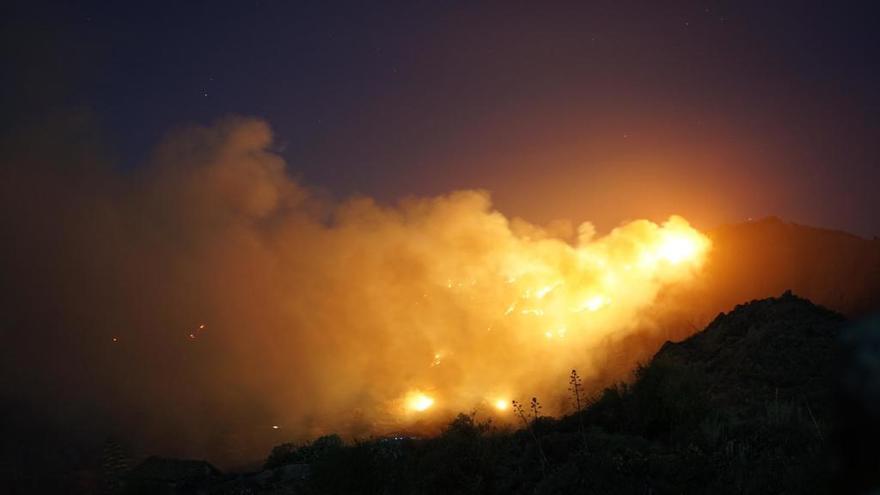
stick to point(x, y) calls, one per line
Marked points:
point(586, 110)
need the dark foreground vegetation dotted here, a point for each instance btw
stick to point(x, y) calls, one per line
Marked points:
point(758, 402)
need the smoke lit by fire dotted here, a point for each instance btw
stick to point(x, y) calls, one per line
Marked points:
point(352, 317)
point(539, 303)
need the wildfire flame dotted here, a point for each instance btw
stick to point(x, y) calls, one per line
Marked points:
point(418, 401)
point(568, 298)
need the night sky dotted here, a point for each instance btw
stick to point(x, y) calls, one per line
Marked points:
point(229, 225)
point(600, 111)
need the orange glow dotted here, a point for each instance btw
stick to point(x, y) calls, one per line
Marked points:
point(551, 299)
point(402, 313)
point(678, 247)
point(419, 402)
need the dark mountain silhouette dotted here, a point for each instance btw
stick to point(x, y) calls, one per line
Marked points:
point(763, 351)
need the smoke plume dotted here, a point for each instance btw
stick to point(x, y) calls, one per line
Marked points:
point(209, 303)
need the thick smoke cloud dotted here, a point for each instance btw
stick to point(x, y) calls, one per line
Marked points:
point(204, 298)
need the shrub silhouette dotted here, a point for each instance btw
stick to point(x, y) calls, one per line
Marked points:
point(289, 453)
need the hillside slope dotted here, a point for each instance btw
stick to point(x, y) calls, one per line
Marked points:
point(744, 406)
point(771, 349)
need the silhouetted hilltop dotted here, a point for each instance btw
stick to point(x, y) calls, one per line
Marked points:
point(762, 351)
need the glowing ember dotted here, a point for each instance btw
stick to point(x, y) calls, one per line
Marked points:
point(678, 247)
point(417, 401)
point(543, 291)
point(593, 304)
point(195, 334)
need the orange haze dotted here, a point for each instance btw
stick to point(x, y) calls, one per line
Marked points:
point(215, 303)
